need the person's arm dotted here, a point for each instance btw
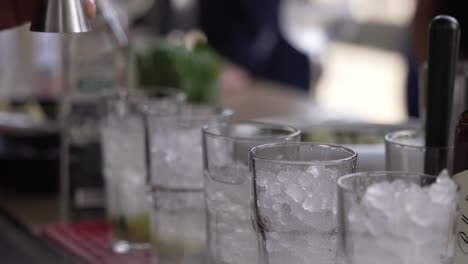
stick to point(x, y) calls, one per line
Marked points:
point(17, 12)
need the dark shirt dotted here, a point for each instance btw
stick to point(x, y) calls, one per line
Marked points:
point(247, 33)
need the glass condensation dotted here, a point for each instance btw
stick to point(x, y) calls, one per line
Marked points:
point(178, 219)
point(294, 204)
point(125, 163)
point(228, 185)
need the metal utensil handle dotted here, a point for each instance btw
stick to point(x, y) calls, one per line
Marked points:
point(444, 39)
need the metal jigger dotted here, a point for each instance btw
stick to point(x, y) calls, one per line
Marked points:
point(60, 16)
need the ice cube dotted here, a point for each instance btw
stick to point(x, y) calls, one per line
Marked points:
point(333, 173)
point(284, 214)
point(444, 191)
point(296, 192)
point(284, 176)
point(356, 215)
point(305, 180)
point(236, 173)
point(317, 171)
point(416, 199)
point(393, 219)
point(380, 197)
point(274, 189)
point(265, 178)
point(312, 204)
point(295, 205)
point(276, 207)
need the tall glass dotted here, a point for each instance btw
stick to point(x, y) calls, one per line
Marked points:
point(405, 150)
point(390, 217)
point(124, 163)
point(294, 203)
point(178, 219)
point(231, 237)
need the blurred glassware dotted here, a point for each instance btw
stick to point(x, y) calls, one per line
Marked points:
point(228, 186)
point(92, 63)
point(136, 8)
point(294, 200)
point(460, 94)
point(364, 138)
point(98, 59)
point(405, 151)
point(166, 16)
point(309, 25)
point(125, 163)
point(178, 219)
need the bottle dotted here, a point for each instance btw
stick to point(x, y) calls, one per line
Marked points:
point(97, 63)
point(461, 144)
point(460, 172)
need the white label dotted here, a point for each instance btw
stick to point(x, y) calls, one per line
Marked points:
point(461, 249)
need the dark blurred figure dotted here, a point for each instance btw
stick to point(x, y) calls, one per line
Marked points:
point(426, 11)
point(166, 16)
point(246, 32)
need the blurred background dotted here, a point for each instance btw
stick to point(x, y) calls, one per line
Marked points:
point(304, 61)
point(357, 49)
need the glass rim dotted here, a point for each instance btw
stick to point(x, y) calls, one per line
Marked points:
point(145, 103)
point(377, 174)
point(255, 156)
point(293, 132)
point(213, 111)
point(172, 93)
point(390, 139)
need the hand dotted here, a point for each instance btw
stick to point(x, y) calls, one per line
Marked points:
point(234, 79)
point(17, 12)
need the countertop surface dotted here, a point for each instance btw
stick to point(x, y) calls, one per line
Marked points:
point(19, 245)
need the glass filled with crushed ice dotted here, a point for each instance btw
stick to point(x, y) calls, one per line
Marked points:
point(403, 218)
point(228, 185)
point(294, 205)
point(178, 218)
point(405, 150)
point(124, 163)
